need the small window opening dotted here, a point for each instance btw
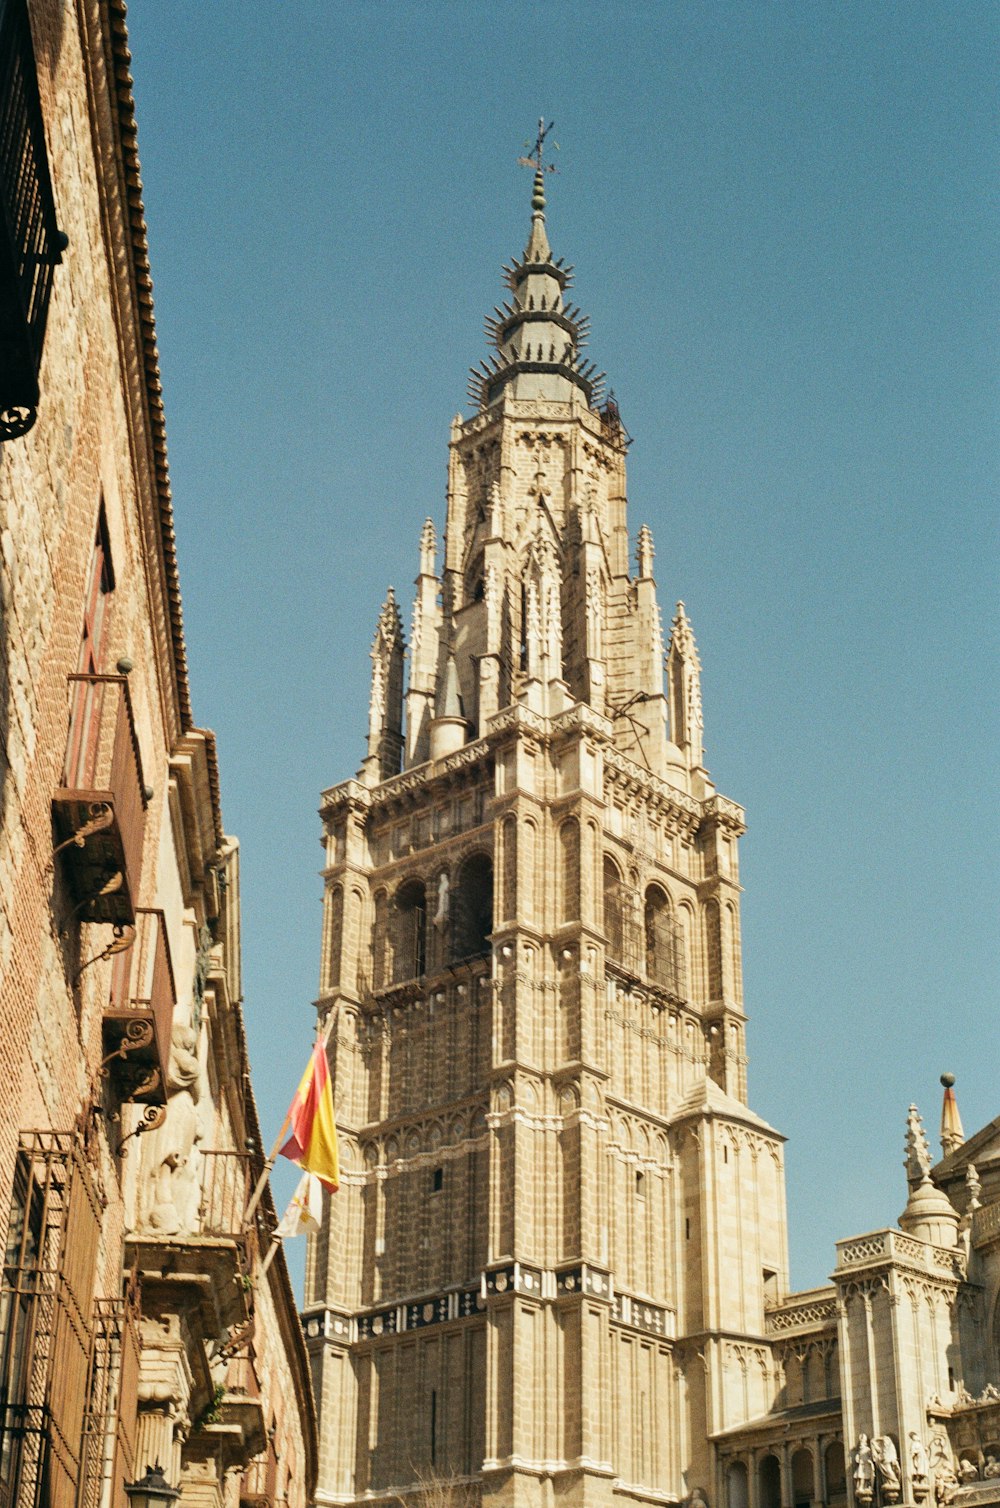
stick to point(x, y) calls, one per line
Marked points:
point(687, 1230)
point(640, 1179)
point(434, 1412)
point(437, 1180)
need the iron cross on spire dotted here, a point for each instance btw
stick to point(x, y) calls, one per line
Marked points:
point(536, 161)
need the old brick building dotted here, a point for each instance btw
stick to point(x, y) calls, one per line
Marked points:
point(558, 1267)
point(134, 1325)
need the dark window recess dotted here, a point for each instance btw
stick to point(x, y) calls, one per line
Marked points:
point(437, 1180)
point(31, 243)
point(472, 909)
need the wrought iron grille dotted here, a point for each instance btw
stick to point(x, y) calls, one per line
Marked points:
point(46, 1332)
point(31, 243)
point(645, 941)
point(109, 1421)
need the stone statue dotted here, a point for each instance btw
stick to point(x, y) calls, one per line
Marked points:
point(945, 1485)
point(887, 1466)
point(968, 1470)
point(992, 1467)
point(920, 1467)
point(864, 1471)
point(443, 901)
point(919, 1464)
point(176, 1193)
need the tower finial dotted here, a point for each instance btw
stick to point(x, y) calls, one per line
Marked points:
point(540, 167)
point(952, 1135)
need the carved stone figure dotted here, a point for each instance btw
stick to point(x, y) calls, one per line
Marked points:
point(968, 1470)
point(887, 1466)
point(864, 1470)
point(919, 1466)
point(945, 1485)
point(443, 901)
point(175, 1190)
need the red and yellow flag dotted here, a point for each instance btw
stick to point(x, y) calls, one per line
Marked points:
point(313, 1142)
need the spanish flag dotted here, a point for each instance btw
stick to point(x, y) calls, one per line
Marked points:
point(313, 1142)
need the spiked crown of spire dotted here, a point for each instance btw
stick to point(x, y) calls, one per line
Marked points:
point(537, 333)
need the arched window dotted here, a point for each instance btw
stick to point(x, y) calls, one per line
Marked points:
point(836, 1473)
point(769, 1482)
point(737, 1492)
point(410, 940)
point(713, 950)
point(569, 898)
point(659, 929)
point(802, 1478)
point(472, 908)
point(613, 919)
point(380, 940)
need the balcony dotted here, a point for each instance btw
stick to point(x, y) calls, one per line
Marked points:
point(189, 1246)
point(99, 811)
point(139, 1017)
point(31, 243)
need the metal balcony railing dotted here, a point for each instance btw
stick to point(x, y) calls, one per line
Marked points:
point(225, 1187)
point(140, 1014)
point(100, 808)
point(31, 243)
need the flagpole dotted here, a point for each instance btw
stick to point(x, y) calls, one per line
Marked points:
point(258, 1192)
point(269, 1256)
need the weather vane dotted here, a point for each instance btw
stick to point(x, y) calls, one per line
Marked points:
point(536, 161)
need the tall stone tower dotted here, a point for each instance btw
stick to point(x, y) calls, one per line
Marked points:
point(547, 1266)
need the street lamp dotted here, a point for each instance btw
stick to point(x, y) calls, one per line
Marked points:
point(153, 1491)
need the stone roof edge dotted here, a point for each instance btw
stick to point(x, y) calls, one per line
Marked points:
point(124, 102)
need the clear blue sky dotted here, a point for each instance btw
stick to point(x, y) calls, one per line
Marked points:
point(784, 222)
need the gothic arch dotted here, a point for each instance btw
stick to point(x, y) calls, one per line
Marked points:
point(472, 907)
point(737, 1488)
point(335, 936)
point(802, 1478)
point(769, 1482)
point(508, 868)
point(380, 939)
point(613, 913)
point(409, 931)
point(712, 921)
point(658, 928)
point(569, 870)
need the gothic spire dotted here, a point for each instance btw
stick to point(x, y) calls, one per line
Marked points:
point(537, 334)
point(952, 1134)
point(385, 707)
point(684, 682)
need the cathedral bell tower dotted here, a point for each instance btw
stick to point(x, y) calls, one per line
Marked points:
point(557, 1211)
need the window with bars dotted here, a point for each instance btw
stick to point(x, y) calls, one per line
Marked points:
point(31, 244)
point(46, 1323)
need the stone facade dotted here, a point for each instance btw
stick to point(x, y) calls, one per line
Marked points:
point(557, 1265)
point(134, 1326)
